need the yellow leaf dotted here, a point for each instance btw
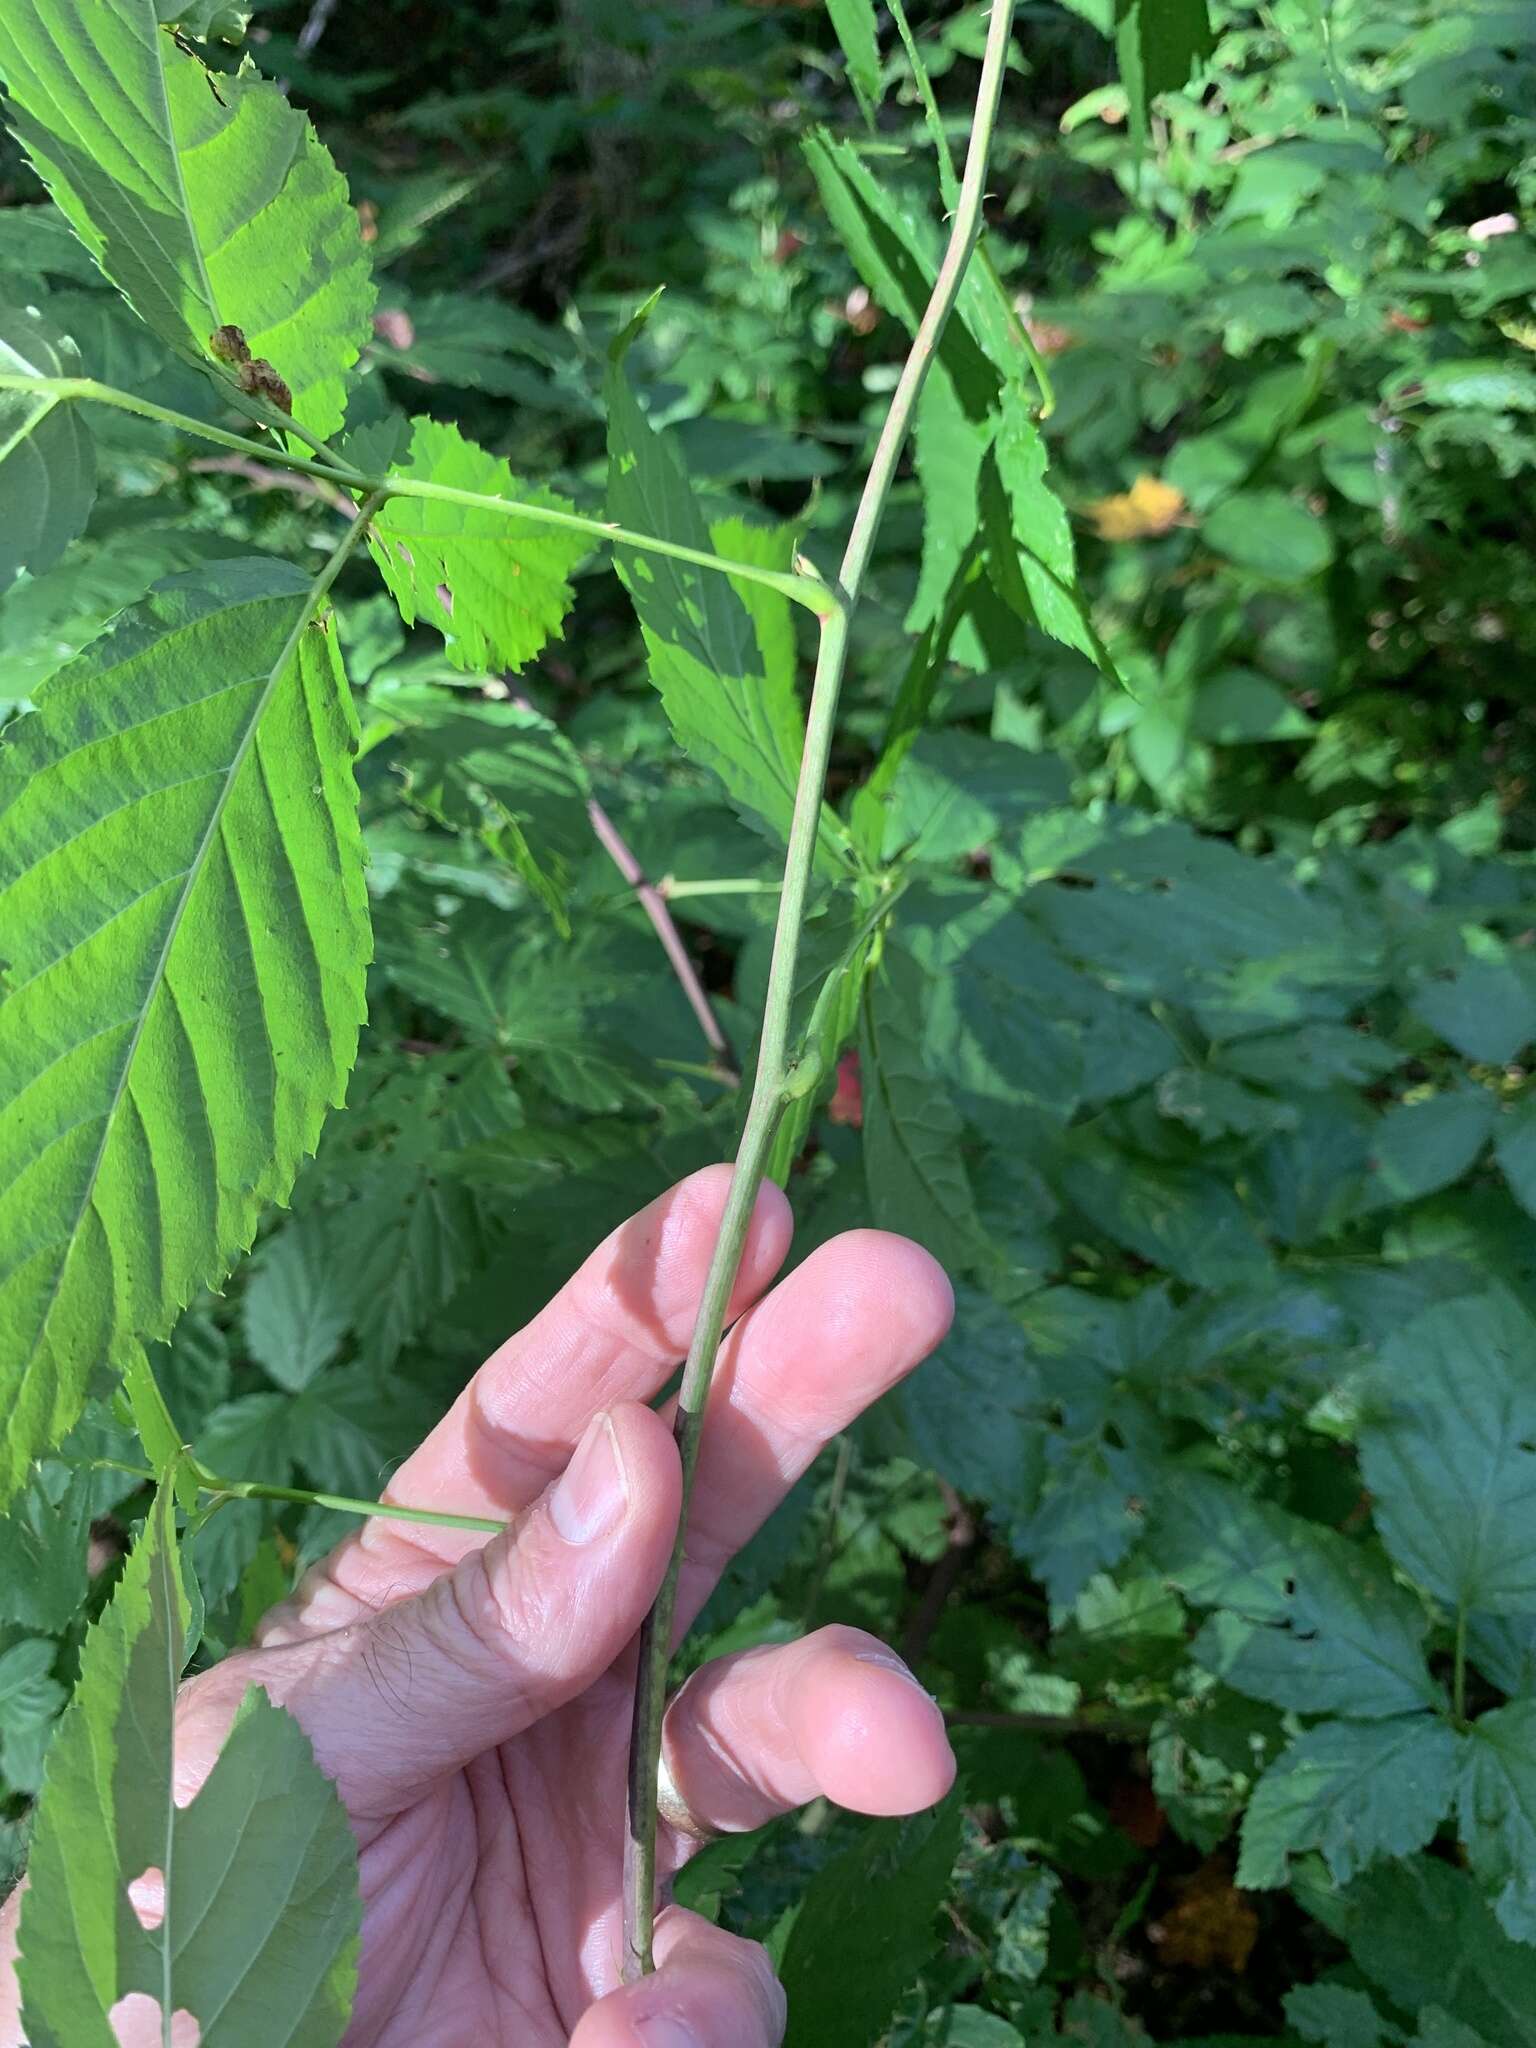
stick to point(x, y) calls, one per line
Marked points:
point(1149, 507)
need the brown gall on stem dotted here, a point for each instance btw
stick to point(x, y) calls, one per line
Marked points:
point(228, 345)
point(260, 380)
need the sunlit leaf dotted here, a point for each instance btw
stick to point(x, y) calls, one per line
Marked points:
point(182, 899)
point(257, 1878)
point(207, 201)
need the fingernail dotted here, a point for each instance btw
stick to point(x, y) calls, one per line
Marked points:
point(665, 2032)
point(886, 1660)
point(591, 1494)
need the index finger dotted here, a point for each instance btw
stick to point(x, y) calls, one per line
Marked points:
point(615, 1332)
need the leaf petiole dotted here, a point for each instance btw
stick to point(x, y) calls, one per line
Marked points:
point(817, 597)
point(221, 1490)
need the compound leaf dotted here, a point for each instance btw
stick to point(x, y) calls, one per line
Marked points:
point(182, 897)
point(258, 1939)
point(208, 201)
point(295, 1307)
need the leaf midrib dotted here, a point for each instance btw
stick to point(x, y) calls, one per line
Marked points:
point(182, 200)
point(157, 978)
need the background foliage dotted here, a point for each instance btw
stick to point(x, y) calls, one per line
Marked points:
point(1195, 1045)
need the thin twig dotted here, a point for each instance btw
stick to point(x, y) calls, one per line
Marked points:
point(1112, 1727)
point(941, 1580)
point(266, 479)
point(653, 903)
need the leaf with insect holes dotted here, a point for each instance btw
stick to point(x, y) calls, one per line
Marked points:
point(181, 891)
point(1307, 1620)
point(494, 585)
point(207, 200)
point(259, 1929)
point(47, 460)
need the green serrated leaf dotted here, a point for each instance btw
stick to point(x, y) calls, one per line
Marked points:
point(47, 459)
point(1496, 1804)
point(43, 1544)
point(720, 652)
point(913, 1163)
point(182, 899)
point(1420, 1930)
point(1335, 2016)
point(262, 1863)
point(1421, 1146)
point(494, 586)
point(1354, 1790)
point(1450, 1467)
point(208, 201)
point(30, 1698)
point(1030, 554)
point(864, 1928)
point(295, 1308)
point(854, 23)
point(1310, 1621)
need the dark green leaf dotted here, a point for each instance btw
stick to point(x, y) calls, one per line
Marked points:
point(1354, 1790)
point(912, 1158)
point(865, 1927)
point(1496, 1803)
point(1449, 1464)
point(295, 1307)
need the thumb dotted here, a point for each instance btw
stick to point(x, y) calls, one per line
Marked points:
point(711, 1989)
point(399, 1699)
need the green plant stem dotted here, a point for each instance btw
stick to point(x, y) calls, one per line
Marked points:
point(733, 885)
point(949, 188)
point(775, 1081)
point(257, 1489)
point(808, 591)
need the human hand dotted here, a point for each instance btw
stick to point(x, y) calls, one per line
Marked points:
point(471, 1697)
